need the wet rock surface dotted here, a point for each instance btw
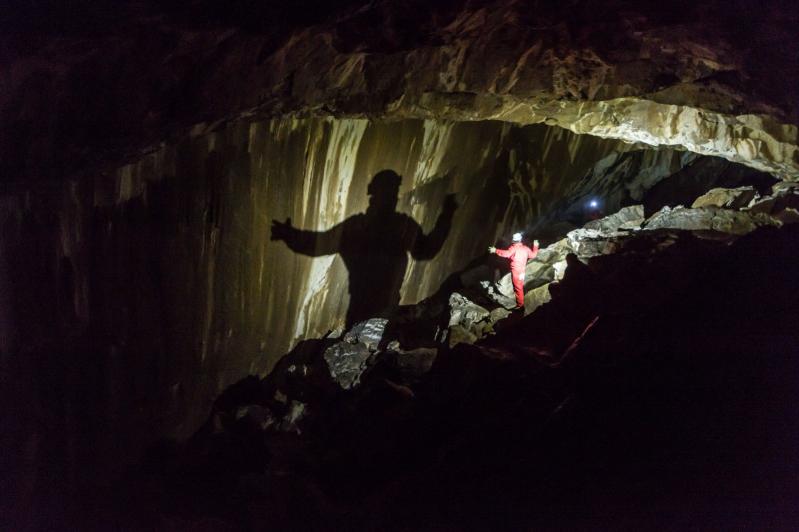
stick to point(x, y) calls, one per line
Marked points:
point(347, 362)
point(369, 333)
point(349, 359)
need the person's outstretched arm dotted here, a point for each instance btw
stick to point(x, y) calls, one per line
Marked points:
point(426, 247)
point(312, 243)
point(501, 252)
point(532, 253)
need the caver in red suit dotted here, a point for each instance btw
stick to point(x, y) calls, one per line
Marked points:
point(518, 254)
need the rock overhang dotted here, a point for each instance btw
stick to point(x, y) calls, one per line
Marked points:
point(628, 73)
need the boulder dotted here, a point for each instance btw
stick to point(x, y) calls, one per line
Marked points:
point(538, 273)
point(587, 243)
point(255, 416)
point(413, 363)
point(728, 198)
point(465, 312)
point(297, 412)
point(627, 218)
point(347, 363)
point(708, 219)
point(762, 205)
point(459, 335)
point(499, 313)
point(741, 223)
point(599, 237)
point(368, 333)
point(535, 298)
point(782, 188)
point(788, 216)
point(505, 287)
point(680, 218)
point(785, 195)
point(500, 292)
point(554, 252)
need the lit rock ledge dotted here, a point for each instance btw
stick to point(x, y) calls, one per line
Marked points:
point(690, 80)
point(754, 140)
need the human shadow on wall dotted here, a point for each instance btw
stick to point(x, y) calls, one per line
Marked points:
point(374, 246)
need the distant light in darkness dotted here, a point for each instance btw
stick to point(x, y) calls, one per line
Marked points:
point(593, 203)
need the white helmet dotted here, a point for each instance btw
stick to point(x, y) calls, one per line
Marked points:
point(517, 237)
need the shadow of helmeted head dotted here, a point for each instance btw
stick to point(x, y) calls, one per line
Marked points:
point(384, 188)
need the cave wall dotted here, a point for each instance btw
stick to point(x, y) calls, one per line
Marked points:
point(140, 295)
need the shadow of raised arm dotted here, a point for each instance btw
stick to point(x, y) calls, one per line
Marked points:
point(426, 247)
point(312, 243)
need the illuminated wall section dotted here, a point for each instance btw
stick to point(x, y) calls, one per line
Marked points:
point(169, 260)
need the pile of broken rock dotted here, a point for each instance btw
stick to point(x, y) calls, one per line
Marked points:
point(370, 353)
point(721, 213)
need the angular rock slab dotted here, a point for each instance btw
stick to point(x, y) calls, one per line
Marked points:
point(535, 298)
point(709, 219)
point(369, 333)
point(626, 218)
point(413, 363)
point(347, 363)
point(728, 198)
point(465, 312)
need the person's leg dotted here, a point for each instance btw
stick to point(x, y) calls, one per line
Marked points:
point(518, 287)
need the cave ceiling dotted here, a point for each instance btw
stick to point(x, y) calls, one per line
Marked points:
point(86, 88)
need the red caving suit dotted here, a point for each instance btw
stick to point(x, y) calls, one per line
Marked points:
point(518, 254)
